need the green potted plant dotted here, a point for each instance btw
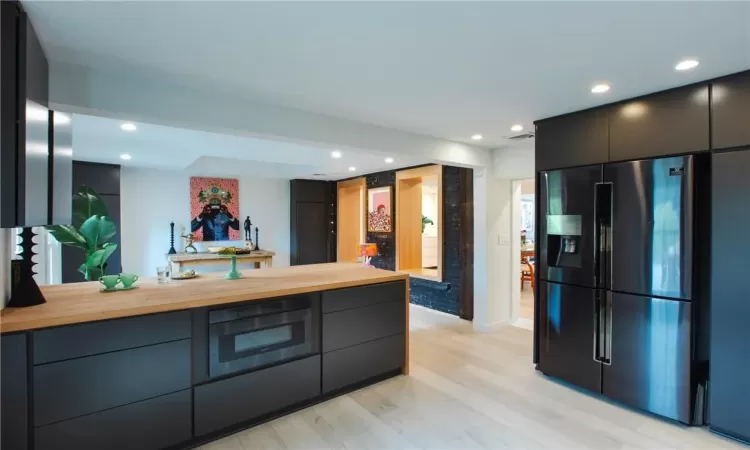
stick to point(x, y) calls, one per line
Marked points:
point(91, 231)
point(425, 221)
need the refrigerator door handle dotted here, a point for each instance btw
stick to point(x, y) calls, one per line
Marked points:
point(599, 321)
point(607, 359)
point(603, 209)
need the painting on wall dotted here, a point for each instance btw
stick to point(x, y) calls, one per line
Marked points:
point(214, 209)
point(379, 210)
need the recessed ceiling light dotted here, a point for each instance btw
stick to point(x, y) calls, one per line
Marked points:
point(126, 157)
point(477, 137)
point(516, 128)
point(687, 64)
point(128, 127)
point(600, 88)
point(336, 154)
point(389, 160)
point(352, 169)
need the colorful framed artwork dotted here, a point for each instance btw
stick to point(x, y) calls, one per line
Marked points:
point(214, 209)
point(379, 210)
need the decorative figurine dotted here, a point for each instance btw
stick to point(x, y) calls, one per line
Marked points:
point(189, 239)
point(171, 251)
point(248, 229)
point(256, 240)
point(24, 290)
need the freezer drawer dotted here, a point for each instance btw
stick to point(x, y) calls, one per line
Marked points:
point(568, 334)
point(650, 355)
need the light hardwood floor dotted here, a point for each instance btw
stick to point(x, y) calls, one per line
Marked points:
point(469, 390)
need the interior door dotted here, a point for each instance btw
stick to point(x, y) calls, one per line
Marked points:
point(649, 355)
point(567, 229)
point(652, 229)
point(568, 334)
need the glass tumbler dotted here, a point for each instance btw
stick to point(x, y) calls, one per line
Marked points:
point(163, 274)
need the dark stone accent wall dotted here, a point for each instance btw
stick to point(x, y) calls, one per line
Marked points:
point(442, 296)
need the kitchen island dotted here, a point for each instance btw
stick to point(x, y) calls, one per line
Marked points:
point(180, 364)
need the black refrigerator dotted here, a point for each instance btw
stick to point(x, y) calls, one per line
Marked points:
point(621, 285)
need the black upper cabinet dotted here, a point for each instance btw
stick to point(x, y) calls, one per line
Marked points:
point(730, 103)
point(667, 123)
point(572, 140)
point(24, 152)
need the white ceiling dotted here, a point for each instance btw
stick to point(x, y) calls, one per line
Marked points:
point(445, 69)
point(100, 139)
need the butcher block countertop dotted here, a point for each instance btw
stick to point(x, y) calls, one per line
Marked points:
point(82, 302)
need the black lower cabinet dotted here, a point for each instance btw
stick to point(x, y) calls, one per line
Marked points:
point(67, 389)
point(342, 368)
point(355, 326)
point(245, 397)
point(147, 425)
point(13, 392)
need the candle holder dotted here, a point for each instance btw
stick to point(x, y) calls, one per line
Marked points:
point(172, 250)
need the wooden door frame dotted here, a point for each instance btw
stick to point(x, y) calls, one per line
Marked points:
point(360, 183)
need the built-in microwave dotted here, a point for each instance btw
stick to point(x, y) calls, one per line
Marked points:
point(260, 334)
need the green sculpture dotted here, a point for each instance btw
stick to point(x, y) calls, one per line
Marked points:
point(91, 231)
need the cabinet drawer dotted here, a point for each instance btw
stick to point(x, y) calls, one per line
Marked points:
point(148, 425)
point(356, 326)
point(227, 402)
point(354, 364)
point(88, 339)
point(358, 297)
point(64, 390)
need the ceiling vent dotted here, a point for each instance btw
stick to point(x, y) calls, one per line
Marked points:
point(521, 137)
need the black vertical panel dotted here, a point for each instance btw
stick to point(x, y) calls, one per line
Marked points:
point(9, 15)
point(730, 296)
point(667, 123)
point(310, 226)
point(13, 392)
point(730, 111)
point(576, 139)
point(311, 233)
point(33, 130)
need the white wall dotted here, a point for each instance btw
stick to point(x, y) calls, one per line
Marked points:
point(150, 199)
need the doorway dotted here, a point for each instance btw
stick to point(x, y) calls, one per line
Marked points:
point(419, 222)
point(350, 228)
point(525, 197)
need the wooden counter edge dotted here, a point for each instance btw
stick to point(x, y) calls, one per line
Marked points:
point(49, 322)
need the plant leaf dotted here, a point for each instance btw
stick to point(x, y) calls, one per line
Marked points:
point(97, 258)
point(87, 203)
point(67, 235)
point(98, 231)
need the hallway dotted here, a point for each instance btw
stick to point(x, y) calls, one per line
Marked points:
point(469, 390)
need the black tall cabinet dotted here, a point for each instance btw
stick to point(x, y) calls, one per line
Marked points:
point(312, 217)
point(105, 180)
point(730, 338)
